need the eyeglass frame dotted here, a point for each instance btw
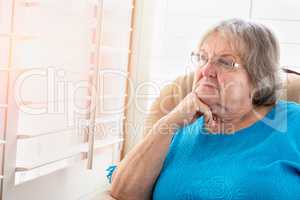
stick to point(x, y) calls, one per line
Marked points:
point(235, 65)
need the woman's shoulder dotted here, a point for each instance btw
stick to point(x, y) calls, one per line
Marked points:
point(292, 108)
point(289, 111)
point(292, 104)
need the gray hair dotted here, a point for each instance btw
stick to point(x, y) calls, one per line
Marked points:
point(259, 51)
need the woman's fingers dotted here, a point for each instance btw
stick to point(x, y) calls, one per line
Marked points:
point(196, 116)
point(189, 109)
point(205, 109)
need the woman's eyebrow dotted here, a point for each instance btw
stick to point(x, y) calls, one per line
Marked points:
point(227, 54)
point(222, 53)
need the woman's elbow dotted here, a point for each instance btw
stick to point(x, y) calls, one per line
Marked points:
point(127, 191)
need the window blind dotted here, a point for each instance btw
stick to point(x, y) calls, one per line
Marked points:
point(68, 88)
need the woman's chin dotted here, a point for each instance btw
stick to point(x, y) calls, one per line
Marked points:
point(211, 101)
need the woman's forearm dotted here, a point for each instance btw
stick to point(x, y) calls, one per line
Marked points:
point(138, 171)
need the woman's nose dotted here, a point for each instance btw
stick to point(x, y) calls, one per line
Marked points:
point(209, 70)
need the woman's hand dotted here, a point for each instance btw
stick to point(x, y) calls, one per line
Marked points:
point(188, 110)
point(191, 107)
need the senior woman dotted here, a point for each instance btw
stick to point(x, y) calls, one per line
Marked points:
point(230, 138)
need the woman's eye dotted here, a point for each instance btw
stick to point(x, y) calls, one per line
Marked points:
point(225, 62)
point(203, 58)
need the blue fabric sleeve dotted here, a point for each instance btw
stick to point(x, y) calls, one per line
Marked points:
point(110, 170)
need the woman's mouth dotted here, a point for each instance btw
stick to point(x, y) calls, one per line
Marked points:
point(209, 85)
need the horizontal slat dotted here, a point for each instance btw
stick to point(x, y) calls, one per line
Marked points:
point(3, 105)
point(35, 151)
point(118, 19)
point(83, 148)
point(108, 120)
point(111, 129)
point(19, 37)
point(76, 44)
point(2, 141)
point(24, 176)
point(1, 177)
point(114, 59)
point(114, 49)
point(103, 143)
point(32, 166)
point(68, 107)
point(34, 88)
point(67, 72)
point(120, 96)
point(29, 136)
point(112, 84)
point(118, 38)
point(64, 9)
point(27, 3)
point(54, 103)
point(112, 24)
point(111, 106)
point(55, 13)
point(36, 123)
point(6, 69)
point(106, 70)
point(20, 69)
point(75, 9)
point(107, 142)
point(104, 120)
point(117, 5)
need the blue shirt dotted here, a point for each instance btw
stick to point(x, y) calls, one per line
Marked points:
point(261, 161)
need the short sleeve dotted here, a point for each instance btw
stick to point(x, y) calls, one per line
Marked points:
point(109, 171)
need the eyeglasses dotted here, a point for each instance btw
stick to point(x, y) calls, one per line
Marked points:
point(223, 62)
